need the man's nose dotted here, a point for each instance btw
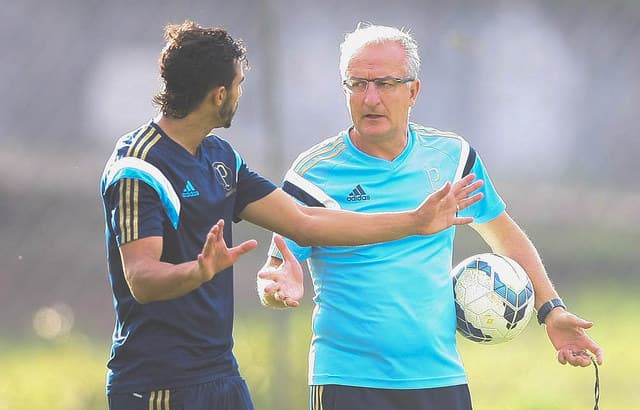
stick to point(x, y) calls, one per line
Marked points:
point(371, 94)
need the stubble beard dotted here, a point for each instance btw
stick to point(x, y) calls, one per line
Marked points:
point(227, 111)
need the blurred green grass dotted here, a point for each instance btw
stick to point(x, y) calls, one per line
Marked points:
point(271, 346)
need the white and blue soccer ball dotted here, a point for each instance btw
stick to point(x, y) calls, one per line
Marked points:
point(494, 298)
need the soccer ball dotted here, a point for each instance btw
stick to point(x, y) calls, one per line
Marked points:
point(494, 298)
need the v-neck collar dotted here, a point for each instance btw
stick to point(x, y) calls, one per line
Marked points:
point(383, 162)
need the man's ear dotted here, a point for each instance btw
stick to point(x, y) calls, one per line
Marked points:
point(218, 95)
point(415, 90)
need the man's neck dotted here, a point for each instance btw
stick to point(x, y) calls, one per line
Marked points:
point(387, 148)
point(188, 132)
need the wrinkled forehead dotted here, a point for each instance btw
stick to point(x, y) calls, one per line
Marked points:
point(378, 60)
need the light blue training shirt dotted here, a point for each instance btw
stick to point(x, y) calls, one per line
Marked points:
point(384, 314)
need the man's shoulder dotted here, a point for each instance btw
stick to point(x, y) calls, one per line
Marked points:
point(130, 145)
point(141, 143)
point(434, 138)
point(143, 151)
point(322, 155)
point(425, 133)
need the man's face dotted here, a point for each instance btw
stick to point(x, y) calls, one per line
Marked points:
point(376, 113)
point(230, 105)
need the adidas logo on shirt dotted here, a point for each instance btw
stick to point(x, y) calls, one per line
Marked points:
point(189, 190)
point(358, 194)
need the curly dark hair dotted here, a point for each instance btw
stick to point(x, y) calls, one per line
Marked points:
point(195, 60)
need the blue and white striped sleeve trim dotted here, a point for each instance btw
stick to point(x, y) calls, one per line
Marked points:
point(239, 162)
point(467, 159)
point(307, 192)
point(135, 168)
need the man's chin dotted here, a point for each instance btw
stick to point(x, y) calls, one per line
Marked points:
point(228, 123)
point(373, 128)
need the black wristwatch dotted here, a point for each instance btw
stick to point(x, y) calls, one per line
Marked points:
point(547, 307)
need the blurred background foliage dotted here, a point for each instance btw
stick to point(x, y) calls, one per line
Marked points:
point(547, 92)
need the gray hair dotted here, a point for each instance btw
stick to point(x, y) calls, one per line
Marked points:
point(366, 34)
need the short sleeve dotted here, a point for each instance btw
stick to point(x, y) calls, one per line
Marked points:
point(251, 187)
point(491, 205)
point(134, 210)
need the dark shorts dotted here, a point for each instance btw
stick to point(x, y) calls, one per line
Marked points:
point(228, 393)
point(336, 397)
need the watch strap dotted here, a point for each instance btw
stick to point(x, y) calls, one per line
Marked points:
point(547, 307)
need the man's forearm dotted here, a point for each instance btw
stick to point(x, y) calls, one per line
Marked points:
point(332, 228)
point(505, 237)
point(156, 281)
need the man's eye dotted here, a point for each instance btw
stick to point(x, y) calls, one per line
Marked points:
point(385, 84)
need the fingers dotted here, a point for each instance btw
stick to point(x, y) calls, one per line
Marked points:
point(286, 301)
point(281, 294)
point(220, 231)
point(280, 280)
point(291, 303)
point(591, 345)
point(575, 357)
point(462, 191)
point(216, 245)
point(562, 359)
point(282, 247)
point(574, 346)
point(468, 189)
point(278, 296)
point(463, 187)
point(585, 324)
point(462, 220)
point(214, 234)
point(270, 274)
point(463, 182)
point(245, 247)
point(272, 288)
point(466, 202)
point(597, 351)
point(584, 350)
point(441, 193)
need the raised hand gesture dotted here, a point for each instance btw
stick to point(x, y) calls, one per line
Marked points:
point(216, 256)
point(440, 210)
point(283, 285)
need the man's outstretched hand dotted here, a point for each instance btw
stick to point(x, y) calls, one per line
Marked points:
point(216, 256)
point(283, 284)
point(440, 210)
